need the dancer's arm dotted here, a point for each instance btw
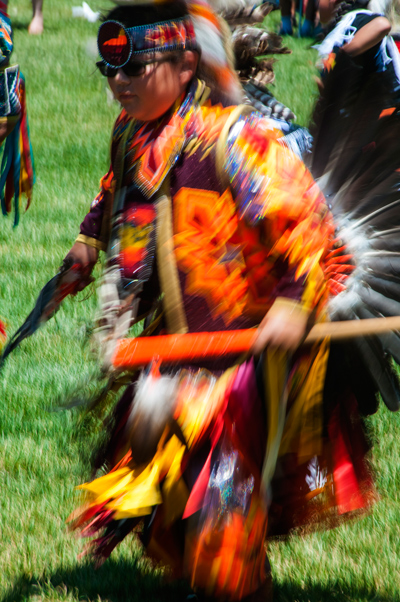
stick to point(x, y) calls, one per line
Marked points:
point(276, 194)
point(95, 228)
point(368, 36)
point(90, 240)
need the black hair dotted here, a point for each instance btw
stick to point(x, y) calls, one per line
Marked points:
point(342, 8)
point(145, 14)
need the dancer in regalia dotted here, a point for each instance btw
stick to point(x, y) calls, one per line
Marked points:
point(360, 33)
point(17, 174)
point(355, 160)
point(210, 223)
point(16, 171)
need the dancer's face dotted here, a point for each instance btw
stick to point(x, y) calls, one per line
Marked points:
point(148, 96)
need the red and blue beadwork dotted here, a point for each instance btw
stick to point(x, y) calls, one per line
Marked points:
point(117, 43)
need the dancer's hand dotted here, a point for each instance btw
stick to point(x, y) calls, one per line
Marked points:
point(284, 327)
point(86, 257)
point(6, 127)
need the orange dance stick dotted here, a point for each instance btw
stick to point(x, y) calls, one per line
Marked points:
point(176, 348)
point(172, 348)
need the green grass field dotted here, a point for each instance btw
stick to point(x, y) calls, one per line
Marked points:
point(45, 453)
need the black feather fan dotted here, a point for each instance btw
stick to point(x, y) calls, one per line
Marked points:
point(356, 160)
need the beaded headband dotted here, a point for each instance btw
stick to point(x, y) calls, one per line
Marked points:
point(117, 43)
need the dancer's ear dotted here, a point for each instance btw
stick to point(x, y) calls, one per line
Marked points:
point(188, 67)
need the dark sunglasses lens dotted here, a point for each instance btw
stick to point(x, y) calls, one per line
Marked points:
point(106, 70)
point(133, 69)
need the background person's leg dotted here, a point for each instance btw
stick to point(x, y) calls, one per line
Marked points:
point(36, 25)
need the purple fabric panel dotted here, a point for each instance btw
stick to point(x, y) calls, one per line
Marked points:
point(200, 318)
point(195, 172)
point(246, 413)
point(191, 172)
point(91, 225)
point(289, 287)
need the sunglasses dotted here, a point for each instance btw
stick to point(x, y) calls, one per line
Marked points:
point(131, 69)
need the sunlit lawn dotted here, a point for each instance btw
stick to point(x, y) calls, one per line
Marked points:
point(43, 453)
